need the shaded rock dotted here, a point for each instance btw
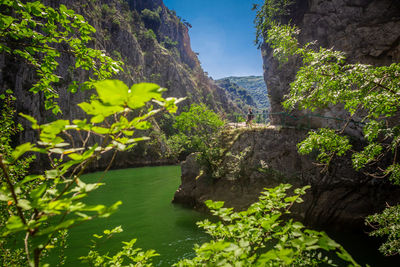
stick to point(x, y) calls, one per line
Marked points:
point(340, 197)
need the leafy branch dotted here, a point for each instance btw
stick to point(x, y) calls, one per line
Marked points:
point(58, 192)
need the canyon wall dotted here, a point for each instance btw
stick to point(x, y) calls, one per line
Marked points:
point(368, 31)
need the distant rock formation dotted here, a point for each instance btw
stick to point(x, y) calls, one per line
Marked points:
point(239, 95)
point(255, 86)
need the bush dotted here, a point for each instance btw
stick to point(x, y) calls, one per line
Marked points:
point(259, 236)
point(151, 19)
point(150, 35)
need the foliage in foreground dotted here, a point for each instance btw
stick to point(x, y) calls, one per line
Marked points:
point(9, 255)
point(40, 34)
point(43, 205)
point(126, 255)
point(260, 236)
point(368, 94)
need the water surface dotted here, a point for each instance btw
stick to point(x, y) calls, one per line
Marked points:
point(146, 214)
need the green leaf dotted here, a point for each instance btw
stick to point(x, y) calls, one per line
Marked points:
point(15, 223)
point(214, 205)
point(112, 92)
point(99, 110)
point(53, 228)
point(31, 119)
point(51, 174)
point(24, 204)
point(344, 255)
point(38, 192)
point(143, 92)
point(20, 150)
point(100, 130)
point(49, 131)
point(110, 210)
point(142, 125)
point(31, 178)
point(327, 243)
point(5, 195)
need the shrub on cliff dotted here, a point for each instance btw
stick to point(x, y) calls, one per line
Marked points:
point(151, 19)
point(197, 130)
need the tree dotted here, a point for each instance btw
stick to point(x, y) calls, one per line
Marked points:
point(368, 92)
point(42, 206)
point(197, 128)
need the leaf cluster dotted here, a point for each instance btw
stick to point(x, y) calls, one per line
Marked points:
point(10, 256)
point(267, 14)
point(259, 236)
point(44, 204)
point(197, 130)
point(40, 34)
point(127, 254)
point(366, 92)
point(387, 224)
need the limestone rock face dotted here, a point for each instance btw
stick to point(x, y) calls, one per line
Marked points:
point(368, 31)
point(338, 198)
point(122, 34)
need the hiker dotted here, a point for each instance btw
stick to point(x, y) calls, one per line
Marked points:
point(250, 117)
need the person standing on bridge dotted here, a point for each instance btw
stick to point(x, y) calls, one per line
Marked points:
point(250, 117)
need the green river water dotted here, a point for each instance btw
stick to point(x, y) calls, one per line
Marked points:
point(148, 215)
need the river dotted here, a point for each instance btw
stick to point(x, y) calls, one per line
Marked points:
point(148, 215)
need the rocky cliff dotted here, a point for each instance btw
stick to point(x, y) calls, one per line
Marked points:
point(368, 31)
point(152, 42)
point(338, 198)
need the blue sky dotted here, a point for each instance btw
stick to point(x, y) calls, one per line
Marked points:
point(223, 34)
